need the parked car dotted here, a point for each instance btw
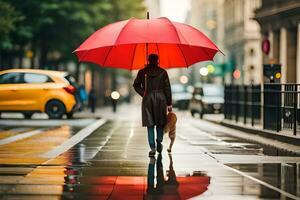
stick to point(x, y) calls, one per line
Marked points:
point(180, 96)
point(29, 91)
point(208, 98)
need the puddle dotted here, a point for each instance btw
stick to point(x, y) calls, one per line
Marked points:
point(284, 176)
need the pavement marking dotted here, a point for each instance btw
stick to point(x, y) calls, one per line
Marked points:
point(47, 122)
point(79, 136)
point(106, 140)
point(243, 173)
point(262, 183)
point(21, 136)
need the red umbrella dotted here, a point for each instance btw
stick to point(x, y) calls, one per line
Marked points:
point(125, 44)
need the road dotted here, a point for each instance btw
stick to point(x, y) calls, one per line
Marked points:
point(107, 158)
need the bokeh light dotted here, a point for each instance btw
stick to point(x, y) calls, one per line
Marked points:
point(277, 75)
point(184, 79)
point(211, 69)
point(211, 24)
point(115, 95)
point(236, 74)
point(203, 71)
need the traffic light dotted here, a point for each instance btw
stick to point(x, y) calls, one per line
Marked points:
point(272, 73)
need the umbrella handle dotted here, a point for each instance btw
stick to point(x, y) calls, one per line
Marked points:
point(147, 60)
point(145, 89)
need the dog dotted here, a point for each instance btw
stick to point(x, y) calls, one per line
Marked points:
point(170, 128)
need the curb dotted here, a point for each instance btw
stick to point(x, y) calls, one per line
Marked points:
point(290, 139)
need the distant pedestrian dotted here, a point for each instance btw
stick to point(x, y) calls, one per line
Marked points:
point(153, 84)
point(83, 96)
point(92, 100)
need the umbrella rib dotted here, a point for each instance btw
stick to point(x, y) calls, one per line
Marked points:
point(107, 55)
point(123, 28)
point(183, 56)
point(157, 49)
point(133, 56)
point(179, 33)
point(207, 54)
point(166, 19)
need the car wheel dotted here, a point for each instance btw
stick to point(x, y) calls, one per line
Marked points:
point(201, 111)
point(27, 115)
point(201, 115)
point(55, 109)
point(193, 113)
point(70, 115)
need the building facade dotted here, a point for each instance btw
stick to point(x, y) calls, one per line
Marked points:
point(207, 16)
point(280, 25)
point(242, 40)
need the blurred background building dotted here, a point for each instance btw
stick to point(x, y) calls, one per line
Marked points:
point(207, 16)
point(242, 40)
point(280, 27)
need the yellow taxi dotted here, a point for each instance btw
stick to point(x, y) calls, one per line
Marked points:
point(31, 90)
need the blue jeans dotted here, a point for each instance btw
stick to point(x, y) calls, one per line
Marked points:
point(151, 138)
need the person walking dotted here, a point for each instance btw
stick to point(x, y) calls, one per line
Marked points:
point(153, 85)
point(83, 96)
point(92, 100)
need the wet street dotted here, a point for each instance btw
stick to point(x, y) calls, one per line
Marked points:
point(107, 158)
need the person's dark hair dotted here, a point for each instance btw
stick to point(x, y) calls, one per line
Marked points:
point(153, 59)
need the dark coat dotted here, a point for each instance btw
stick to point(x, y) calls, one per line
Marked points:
point(156, 95)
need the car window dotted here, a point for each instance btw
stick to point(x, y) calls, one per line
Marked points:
point(36, 78)
point(177, 88)
point(213, 90)
point(71, 80)
point(10, 78)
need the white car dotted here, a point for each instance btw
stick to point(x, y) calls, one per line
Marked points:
point(180, 96)
point(209, 98)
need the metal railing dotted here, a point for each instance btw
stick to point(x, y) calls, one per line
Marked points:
point(243, 103)
point(280, 105)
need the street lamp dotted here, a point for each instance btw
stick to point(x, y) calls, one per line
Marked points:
point(114, 97)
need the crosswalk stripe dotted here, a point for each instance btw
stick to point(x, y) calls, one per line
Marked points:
point(21, 136)
point(83, 133)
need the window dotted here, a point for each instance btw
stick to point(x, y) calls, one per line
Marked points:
point(36, 78)
point(10, 78)
point(71, 80)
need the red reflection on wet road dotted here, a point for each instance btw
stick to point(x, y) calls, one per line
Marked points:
point(135, 187)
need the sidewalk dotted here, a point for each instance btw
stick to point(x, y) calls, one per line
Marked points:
point(282, 136)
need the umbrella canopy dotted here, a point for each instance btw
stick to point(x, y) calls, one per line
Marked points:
point(125, 44)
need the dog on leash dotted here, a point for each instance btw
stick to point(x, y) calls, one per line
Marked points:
point(170, 128)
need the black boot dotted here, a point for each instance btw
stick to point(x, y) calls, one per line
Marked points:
point(152, 153)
